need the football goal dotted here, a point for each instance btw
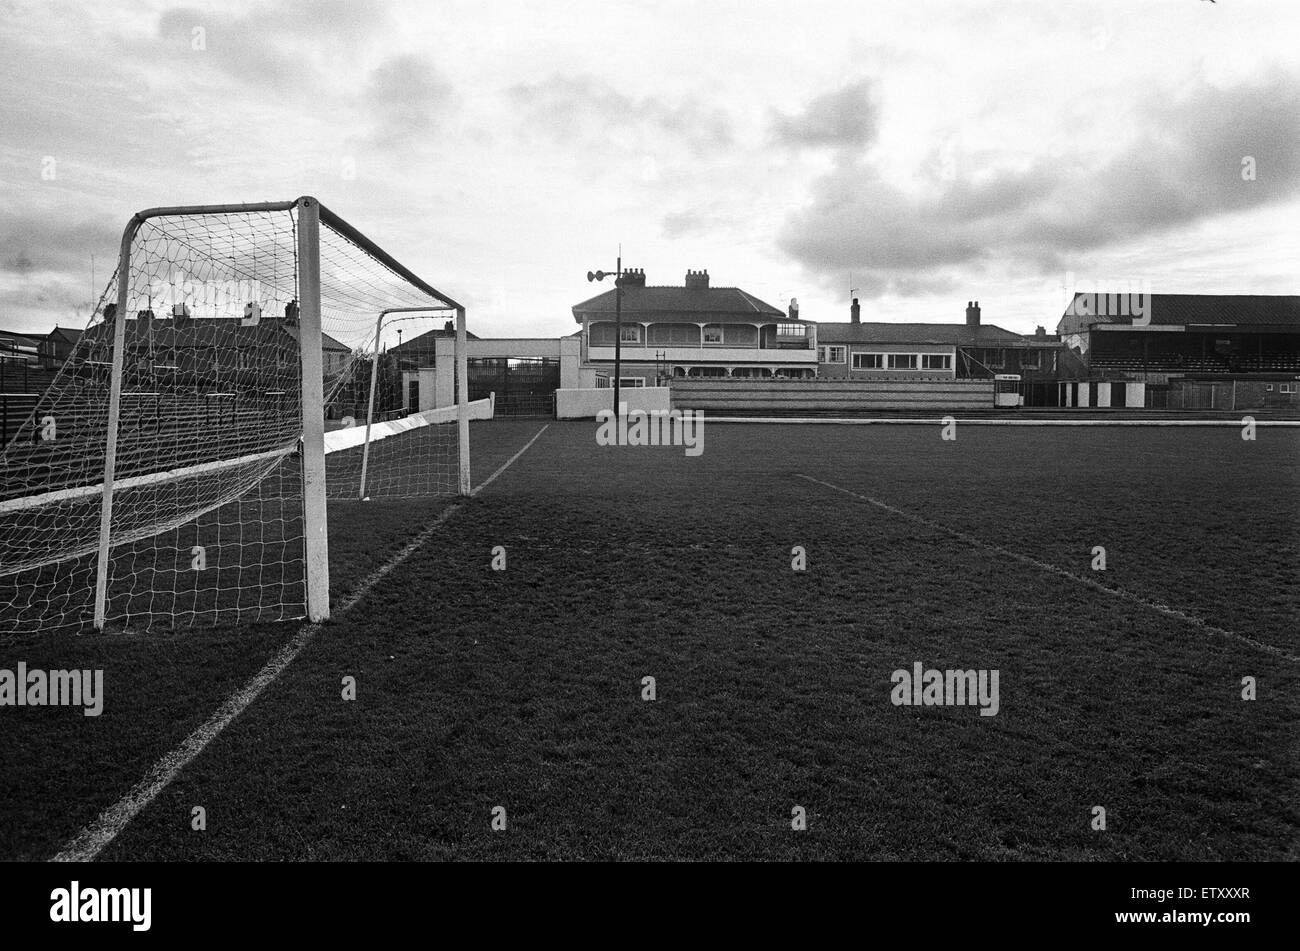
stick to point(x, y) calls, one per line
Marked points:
point(242, 367)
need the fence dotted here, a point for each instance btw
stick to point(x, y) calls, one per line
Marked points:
point(778, 397)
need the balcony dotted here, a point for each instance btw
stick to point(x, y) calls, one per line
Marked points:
point(712, 354)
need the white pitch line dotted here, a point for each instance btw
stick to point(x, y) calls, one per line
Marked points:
point(1156, 606)
point(506, 465)
point(91, 840)
point(920, 421)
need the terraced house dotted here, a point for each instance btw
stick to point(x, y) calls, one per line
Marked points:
point(932, 351)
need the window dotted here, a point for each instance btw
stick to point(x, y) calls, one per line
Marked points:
point(936, 361)
point(791, 330)
point(902, 361)
point(631, 381)
point(630, 334)
point(832, 354)
point(1031, 359)
point(868, 361)
point(1268, 387)
point(1286, 388)
point(990, 358)
point(713, 334)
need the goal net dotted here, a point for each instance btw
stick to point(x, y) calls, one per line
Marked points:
point(239, 370)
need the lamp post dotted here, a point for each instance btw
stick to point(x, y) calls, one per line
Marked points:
point(618, 323)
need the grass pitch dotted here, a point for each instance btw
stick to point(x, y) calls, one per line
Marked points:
point(523, 688)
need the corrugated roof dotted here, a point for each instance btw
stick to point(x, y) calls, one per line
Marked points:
point(714, 301)
point(985, 335)
point(1247, 310)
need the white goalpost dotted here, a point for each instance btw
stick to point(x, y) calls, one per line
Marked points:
point(373, 434)
point(178, 468)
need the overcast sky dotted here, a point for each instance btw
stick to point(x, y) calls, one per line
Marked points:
point(929, 152)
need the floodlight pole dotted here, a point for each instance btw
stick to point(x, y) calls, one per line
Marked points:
point(618, 324)
point(618, 334)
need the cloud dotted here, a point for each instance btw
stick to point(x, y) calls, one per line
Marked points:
point(681, 223)
point(1182, 165)
point(45, 267)
point(575, 110)
point(840, 119)
point(31, 244)
point(405, 96)
point(286, 46)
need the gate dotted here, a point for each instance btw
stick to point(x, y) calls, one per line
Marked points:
point(523, 387)
point(1206, 395)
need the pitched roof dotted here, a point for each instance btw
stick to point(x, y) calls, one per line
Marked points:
point(1206, 310)
point(72, 335)
point(425, 341)
point(209, 332)
point(985, 335)
point(712, 301)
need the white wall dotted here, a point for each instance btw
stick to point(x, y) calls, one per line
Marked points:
point(585, 403)
point(428, 380)
point(571, 375)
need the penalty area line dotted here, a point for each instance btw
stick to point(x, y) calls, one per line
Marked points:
point(1119, 593)
point(88, 843)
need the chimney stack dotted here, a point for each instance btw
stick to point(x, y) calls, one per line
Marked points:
point(794, 308)
point(972, 313)
point(698, 280)
point(632, 277)
point(855, 312)
point(1039, 332)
